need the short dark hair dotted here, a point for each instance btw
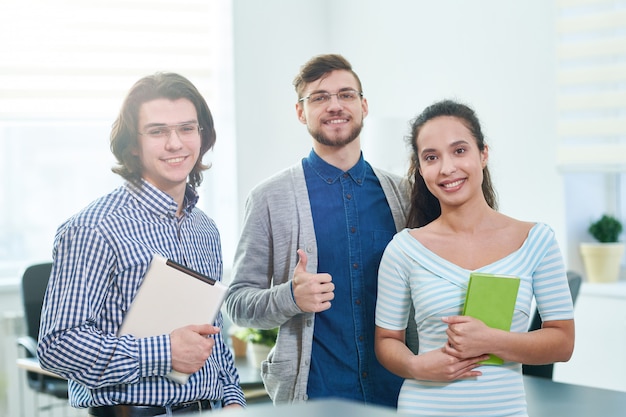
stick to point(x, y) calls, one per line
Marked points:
point(424, 205)
point(124, 132)
point(318, 67)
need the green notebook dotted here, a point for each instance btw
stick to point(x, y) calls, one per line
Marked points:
point(491, 298)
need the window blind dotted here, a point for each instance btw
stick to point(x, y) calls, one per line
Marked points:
point(591, 85)
point(77, 59)
point(65, 67)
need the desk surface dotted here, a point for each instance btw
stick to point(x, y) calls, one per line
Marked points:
point(548, 398)
point(250, 376)
point(32, 365)
point(608, 289)
point(315, 408)
point(545, 398)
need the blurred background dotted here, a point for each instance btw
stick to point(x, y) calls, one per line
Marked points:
point(546, 78)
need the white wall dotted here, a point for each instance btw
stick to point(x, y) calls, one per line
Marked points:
point(498, 56)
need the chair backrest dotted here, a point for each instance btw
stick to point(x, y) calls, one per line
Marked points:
point(34, 284)
point(574, 280)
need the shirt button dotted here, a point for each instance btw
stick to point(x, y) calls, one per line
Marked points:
point(349, 196)
point(355, 266)
point(364, 374)
point(358, 302)
point(352, 229)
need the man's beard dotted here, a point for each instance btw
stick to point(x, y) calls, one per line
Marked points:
point(325, 140)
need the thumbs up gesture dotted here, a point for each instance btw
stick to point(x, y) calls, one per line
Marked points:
point(313, 292)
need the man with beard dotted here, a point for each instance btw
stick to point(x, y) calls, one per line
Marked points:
point(312, 239)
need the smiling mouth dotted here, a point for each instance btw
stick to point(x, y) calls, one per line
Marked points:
point(175, 160)
point(337, 121)
point(453, 184)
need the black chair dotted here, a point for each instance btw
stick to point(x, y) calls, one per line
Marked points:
point(34, 283)
point(545, 371)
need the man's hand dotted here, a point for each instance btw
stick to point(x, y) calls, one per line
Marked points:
point(313, 292)
point(191, 347)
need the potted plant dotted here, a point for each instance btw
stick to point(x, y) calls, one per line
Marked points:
point(260, 342)
point(602, 259)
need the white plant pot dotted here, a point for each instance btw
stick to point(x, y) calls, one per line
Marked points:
point(602, 261)
point(257, 353)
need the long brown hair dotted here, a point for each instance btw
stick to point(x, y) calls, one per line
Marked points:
point(124, 132)
point(424, 205)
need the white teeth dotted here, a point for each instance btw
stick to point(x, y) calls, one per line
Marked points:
point(337, 121)
point(453, 184)
point(175, 160)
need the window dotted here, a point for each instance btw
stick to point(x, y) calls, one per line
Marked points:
point(591, 85)
point(66, 67)
point(591, 104)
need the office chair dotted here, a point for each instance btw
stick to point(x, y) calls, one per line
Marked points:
point(545, 371)
point(34, 283)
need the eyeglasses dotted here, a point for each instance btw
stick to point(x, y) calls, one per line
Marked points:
point(183, 130)
point(344, 96)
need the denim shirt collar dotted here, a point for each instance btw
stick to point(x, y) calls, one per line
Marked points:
point(331, 174)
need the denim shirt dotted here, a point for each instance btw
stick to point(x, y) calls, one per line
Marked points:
point(353, 224)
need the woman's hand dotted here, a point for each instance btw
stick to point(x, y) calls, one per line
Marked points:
point(467, 337)
point(438, 365)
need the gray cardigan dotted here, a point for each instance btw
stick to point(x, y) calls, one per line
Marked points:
point(277, 222)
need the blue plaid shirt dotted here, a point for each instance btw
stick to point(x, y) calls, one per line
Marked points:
point(100, 256)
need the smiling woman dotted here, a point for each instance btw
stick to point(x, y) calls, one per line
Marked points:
point(71, 64)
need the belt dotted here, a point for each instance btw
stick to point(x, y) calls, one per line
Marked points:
point(129, 410)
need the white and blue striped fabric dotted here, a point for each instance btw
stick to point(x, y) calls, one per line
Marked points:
point(410, 273)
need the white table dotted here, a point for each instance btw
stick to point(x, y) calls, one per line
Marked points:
point(599, 358)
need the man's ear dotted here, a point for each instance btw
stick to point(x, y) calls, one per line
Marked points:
point(300, 113)
point(364, 107)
